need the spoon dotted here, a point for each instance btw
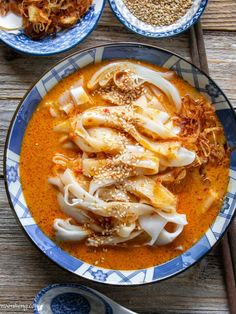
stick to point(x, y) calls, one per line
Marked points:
point(75, 299)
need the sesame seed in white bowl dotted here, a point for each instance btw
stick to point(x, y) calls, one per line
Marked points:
point(158, 18)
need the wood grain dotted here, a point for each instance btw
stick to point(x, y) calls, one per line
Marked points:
point(24, 270)
point(220, 15)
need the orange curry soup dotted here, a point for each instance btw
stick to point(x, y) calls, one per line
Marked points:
point(40, 143)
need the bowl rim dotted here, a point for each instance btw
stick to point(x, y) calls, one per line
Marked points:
point(136, 44)
point(46, 54)
point(143, 33)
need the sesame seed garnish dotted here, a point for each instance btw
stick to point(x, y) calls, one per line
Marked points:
point(121, 91)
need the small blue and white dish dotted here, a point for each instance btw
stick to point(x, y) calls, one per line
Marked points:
point(62, 41)
point(137, 26)
point(75, 299)
point(161, 58)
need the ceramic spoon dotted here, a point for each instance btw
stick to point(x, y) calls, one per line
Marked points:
point(75, 299)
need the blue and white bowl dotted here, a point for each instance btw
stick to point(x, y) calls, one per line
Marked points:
point(16, 132)
point(64, 39)
point(137, 26)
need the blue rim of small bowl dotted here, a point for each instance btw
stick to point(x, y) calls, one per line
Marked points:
point(148, 34)
point(57, 262)
point(80, 40)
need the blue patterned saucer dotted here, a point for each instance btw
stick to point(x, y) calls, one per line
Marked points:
point(72, 63)
point(63, 41)
point(75, 299)
point(137, 26)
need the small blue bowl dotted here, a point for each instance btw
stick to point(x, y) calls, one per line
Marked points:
point(72, 63)
point(64, 39)
point(137, 26)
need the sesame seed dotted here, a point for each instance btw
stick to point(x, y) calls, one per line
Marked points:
point(121, 91)
point(158, 12)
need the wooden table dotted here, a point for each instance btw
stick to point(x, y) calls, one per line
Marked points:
point(24, 270)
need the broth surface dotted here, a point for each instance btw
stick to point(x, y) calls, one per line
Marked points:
point(41, 143)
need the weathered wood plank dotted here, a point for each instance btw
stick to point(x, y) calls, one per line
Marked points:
point(220, 15)
point(7, 108)
point(221, 52)
point(24, 270)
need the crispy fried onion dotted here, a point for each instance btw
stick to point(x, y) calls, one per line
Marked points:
point(201, 130)
point(43, 17)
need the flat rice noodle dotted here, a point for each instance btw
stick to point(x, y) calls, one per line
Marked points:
point(143, 73)
point(65, 101)
point(153, 192)
point(141, 101)
point(112, 194)
point(152, 104)
point(65, 231)
point(157, 130)
point(114, 240)
point(96, 118)
point(153, 225)
point(131, 208)
point(53, 112)
point(97, 183)
point(63, 127)
point(156, 115)
point(167, 237)
point(82, 197)
point(72, 211)
point(175, 218)
point(86, 201)
point(179, 158)
point(144, 162)
point(56, 182)
point(91, 166)
point(69, 180)
point(175, 129)
point(166, 148)
point(124, 231)
point(79, 96)
point(98, 139)
point(209, 200)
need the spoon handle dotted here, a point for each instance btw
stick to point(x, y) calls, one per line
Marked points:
point(117, 308)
